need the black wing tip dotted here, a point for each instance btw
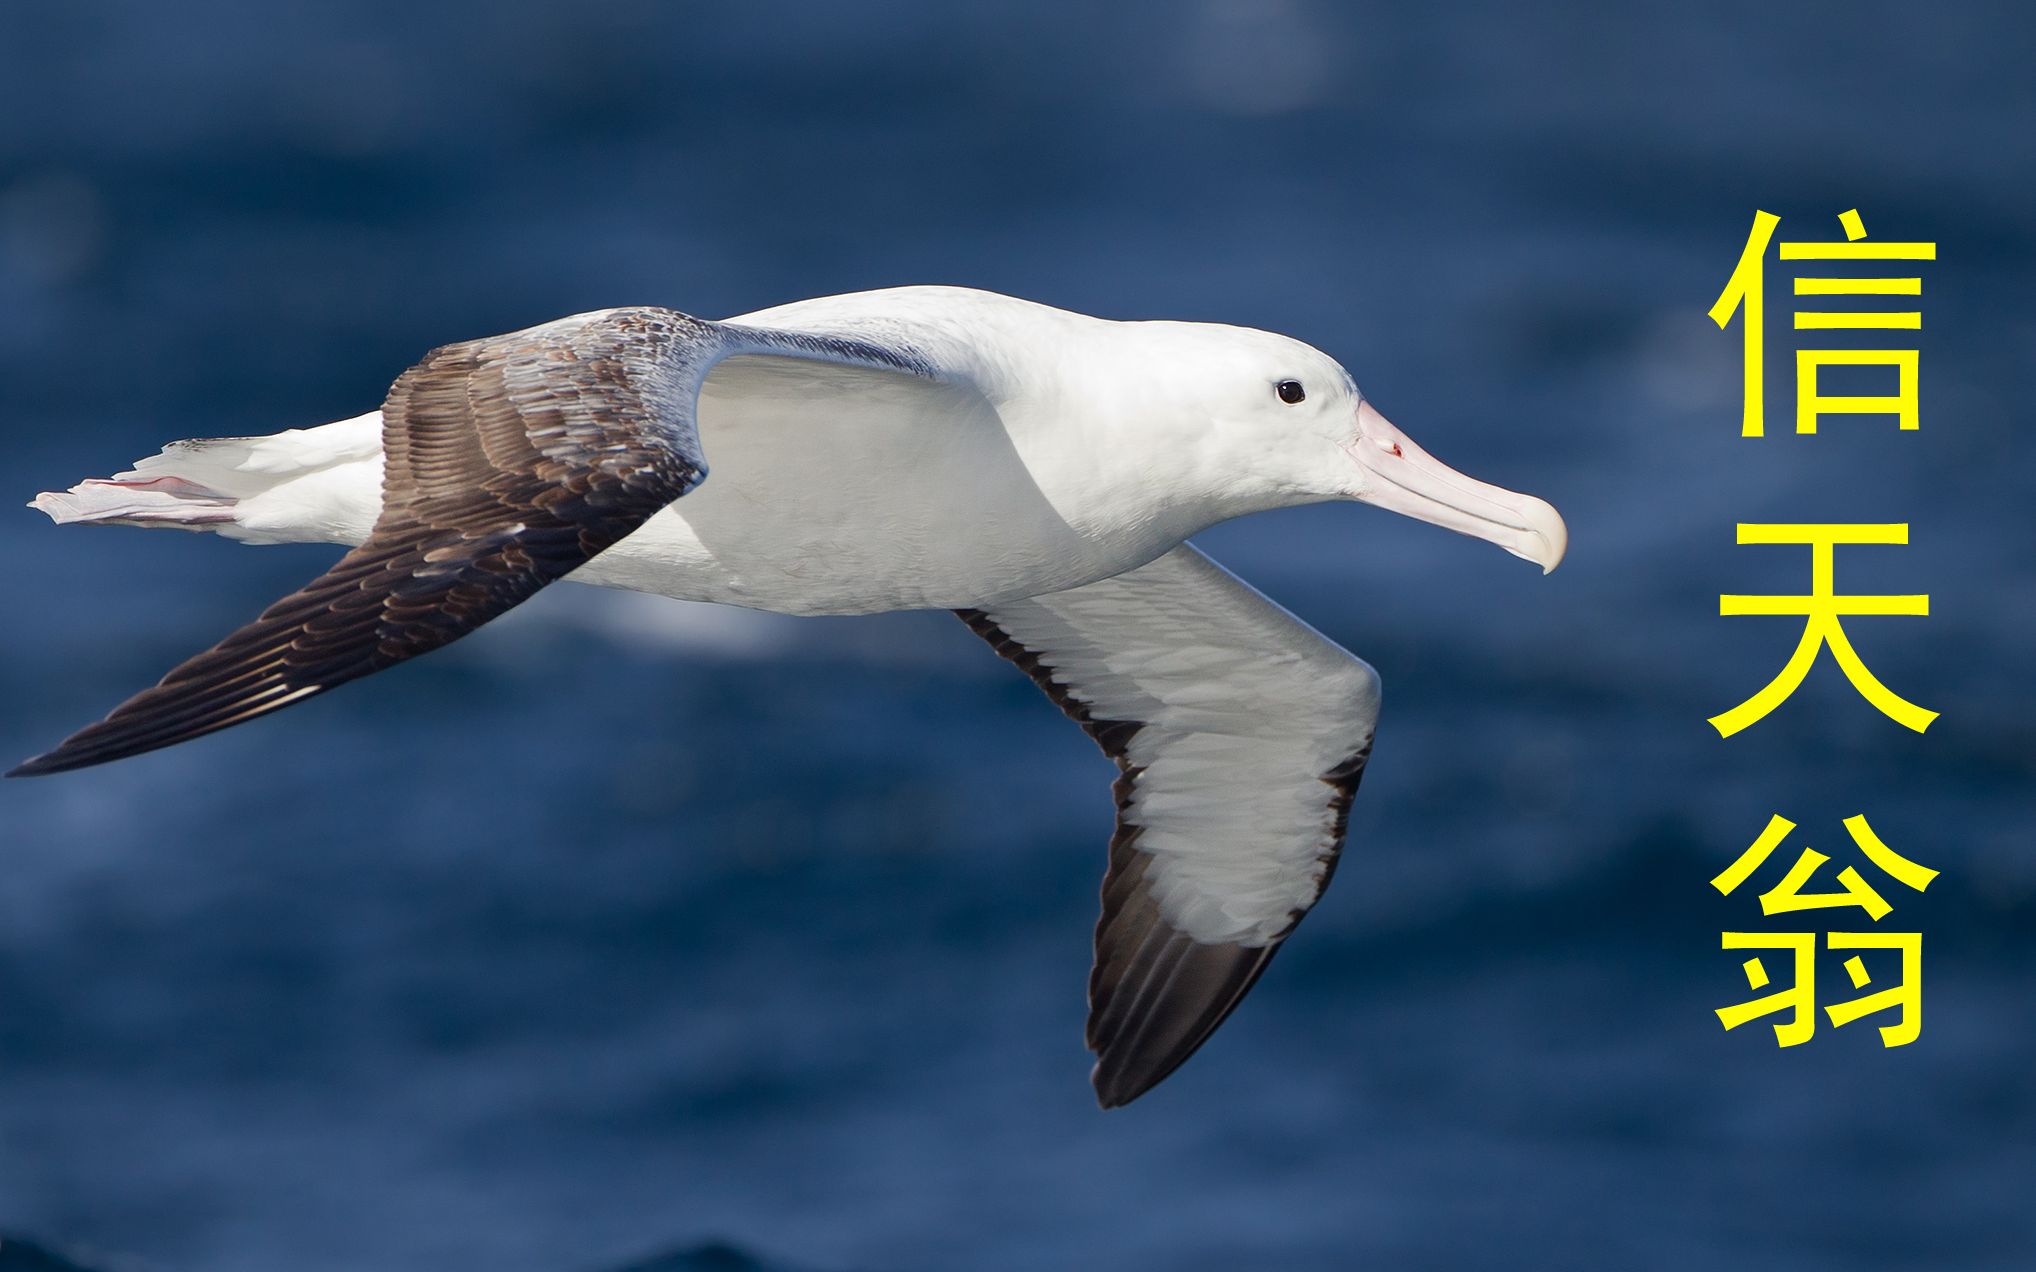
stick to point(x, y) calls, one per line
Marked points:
point(1132, 1059)
point(1113, 1091)
point(134, 730)
point(67, 759)
point(1123, 1074)
point(62, 759)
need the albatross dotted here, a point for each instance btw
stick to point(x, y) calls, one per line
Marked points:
point(1034, 470)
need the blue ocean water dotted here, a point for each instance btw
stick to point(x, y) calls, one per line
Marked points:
point(630, 927)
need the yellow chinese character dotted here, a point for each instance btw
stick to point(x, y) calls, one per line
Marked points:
point(1821, 610)
point(1907, 994)
point(1799, 999)
point(1789, 895)
point(1745, 288)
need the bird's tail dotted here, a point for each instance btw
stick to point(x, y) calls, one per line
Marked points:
point(140, 497)
point(287, 487)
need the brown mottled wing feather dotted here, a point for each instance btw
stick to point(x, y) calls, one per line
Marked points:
point(509, 463)
point(1240, 736)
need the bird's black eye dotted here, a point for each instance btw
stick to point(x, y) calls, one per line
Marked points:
point(1290, 391)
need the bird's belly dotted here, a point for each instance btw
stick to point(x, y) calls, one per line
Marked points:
point(827, 565)
point(805, 516)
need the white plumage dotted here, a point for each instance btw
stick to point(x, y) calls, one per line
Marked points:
point(1034, 469)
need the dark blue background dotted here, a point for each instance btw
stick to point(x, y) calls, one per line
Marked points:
point(629, 924)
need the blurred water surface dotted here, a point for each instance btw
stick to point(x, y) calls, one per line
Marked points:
point(630, 926)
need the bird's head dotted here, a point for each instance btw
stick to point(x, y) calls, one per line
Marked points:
point(1283, 423)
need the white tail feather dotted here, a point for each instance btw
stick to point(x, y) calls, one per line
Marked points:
point(304, 485)
point(163, 501)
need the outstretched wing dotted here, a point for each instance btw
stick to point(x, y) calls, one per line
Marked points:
point(509, 462)
point(1240, 735)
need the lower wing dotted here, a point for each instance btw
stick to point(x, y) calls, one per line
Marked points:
point(1240, 735)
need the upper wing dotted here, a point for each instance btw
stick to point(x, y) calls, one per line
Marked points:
point(1240, 734)
point(509, 463)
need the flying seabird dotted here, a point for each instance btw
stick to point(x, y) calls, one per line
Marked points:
point(1034, 470)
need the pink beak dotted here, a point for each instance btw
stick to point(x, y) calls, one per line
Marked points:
point(1402, 477)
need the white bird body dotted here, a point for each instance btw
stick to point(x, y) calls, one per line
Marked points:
point(1036, 470)
point(980, 487)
